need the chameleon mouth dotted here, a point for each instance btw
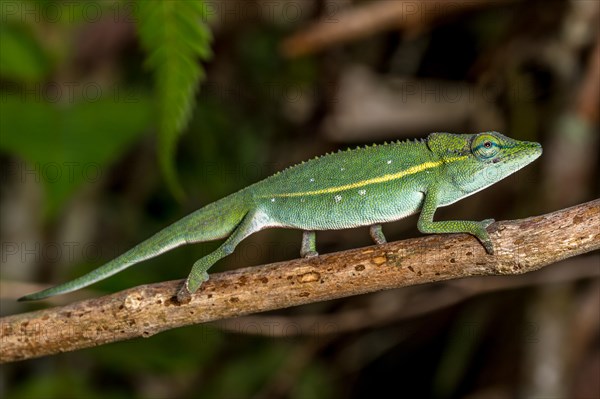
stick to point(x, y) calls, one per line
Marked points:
point(534, 149)
point(528, 154)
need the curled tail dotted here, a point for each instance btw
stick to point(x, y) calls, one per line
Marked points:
point(214, 221)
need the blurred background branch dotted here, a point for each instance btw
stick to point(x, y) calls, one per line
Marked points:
point(345, 25)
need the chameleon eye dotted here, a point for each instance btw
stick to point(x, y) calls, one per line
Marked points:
point(485, 146)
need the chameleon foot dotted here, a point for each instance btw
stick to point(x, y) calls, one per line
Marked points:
point(484, 237)
point(183, 296)
point(191, 285)
point(489, 247)
point(487, 222)
point(309, 247)
point(377, 234)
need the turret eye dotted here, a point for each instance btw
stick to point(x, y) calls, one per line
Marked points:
point(485, 146)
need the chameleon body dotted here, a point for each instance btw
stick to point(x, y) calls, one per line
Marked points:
point(361, 187)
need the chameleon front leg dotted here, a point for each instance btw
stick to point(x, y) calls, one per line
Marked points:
point(427, 225)
point(309, 246)
point(377, 234)
point(199, 274)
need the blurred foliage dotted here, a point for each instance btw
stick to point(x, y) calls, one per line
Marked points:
point(78, 139)
point(55, 114)
point(22, 58)
point(175, 35)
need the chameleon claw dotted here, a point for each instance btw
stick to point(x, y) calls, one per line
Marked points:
point(489, 247)
point(485, 240)
point(191, 285)
point(310, 254)
point(377, 234)
point(487, 222)
point(183, 295)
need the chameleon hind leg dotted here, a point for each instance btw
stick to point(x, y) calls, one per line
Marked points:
point(199, 274)
point(377, 234)
point(309, 245)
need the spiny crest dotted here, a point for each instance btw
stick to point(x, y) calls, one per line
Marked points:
point(301, 163)
point(366, 147)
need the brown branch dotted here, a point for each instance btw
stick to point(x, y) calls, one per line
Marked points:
point(419, 300)
point(521, 246)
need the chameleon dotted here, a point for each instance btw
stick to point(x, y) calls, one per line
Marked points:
point(366, 186)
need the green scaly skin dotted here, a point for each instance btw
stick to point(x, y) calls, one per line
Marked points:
point(361, 187)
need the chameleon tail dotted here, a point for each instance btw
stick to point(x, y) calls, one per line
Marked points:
point(214, 221)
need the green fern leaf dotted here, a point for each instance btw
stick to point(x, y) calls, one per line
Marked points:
point(176, 38)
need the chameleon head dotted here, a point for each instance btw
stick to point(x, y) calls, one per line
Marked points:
point(476, 161)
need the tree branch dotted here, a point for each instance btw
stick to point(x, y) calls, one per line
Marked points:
point(521, 246)
point(412, 302)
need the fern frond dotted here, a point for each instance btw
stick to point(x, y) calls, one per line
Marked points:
point(175, 35)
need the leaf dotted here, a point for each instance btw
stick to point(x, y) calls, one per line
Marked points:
point(21, 57)
point(175, 35)
point(68, 146)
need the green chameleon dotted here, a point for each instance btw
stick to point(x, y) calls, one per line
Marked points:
point(362, 187)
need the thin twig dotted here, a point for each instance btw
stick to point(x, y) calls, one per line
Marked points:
point(521, 246)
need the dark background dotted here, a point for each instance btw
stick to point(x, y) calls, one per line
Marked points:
point(81, 183)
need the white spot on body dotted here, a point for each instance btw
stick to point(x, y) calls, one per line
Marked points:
point(342, 169)
point(362, 192)
point(302, 200)
point(312, 180)
point(272, 199)
point(337, 198)
point(389, 161)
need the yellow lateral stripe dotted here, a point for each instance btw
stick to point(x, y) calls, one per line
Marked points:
point(385, 178)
